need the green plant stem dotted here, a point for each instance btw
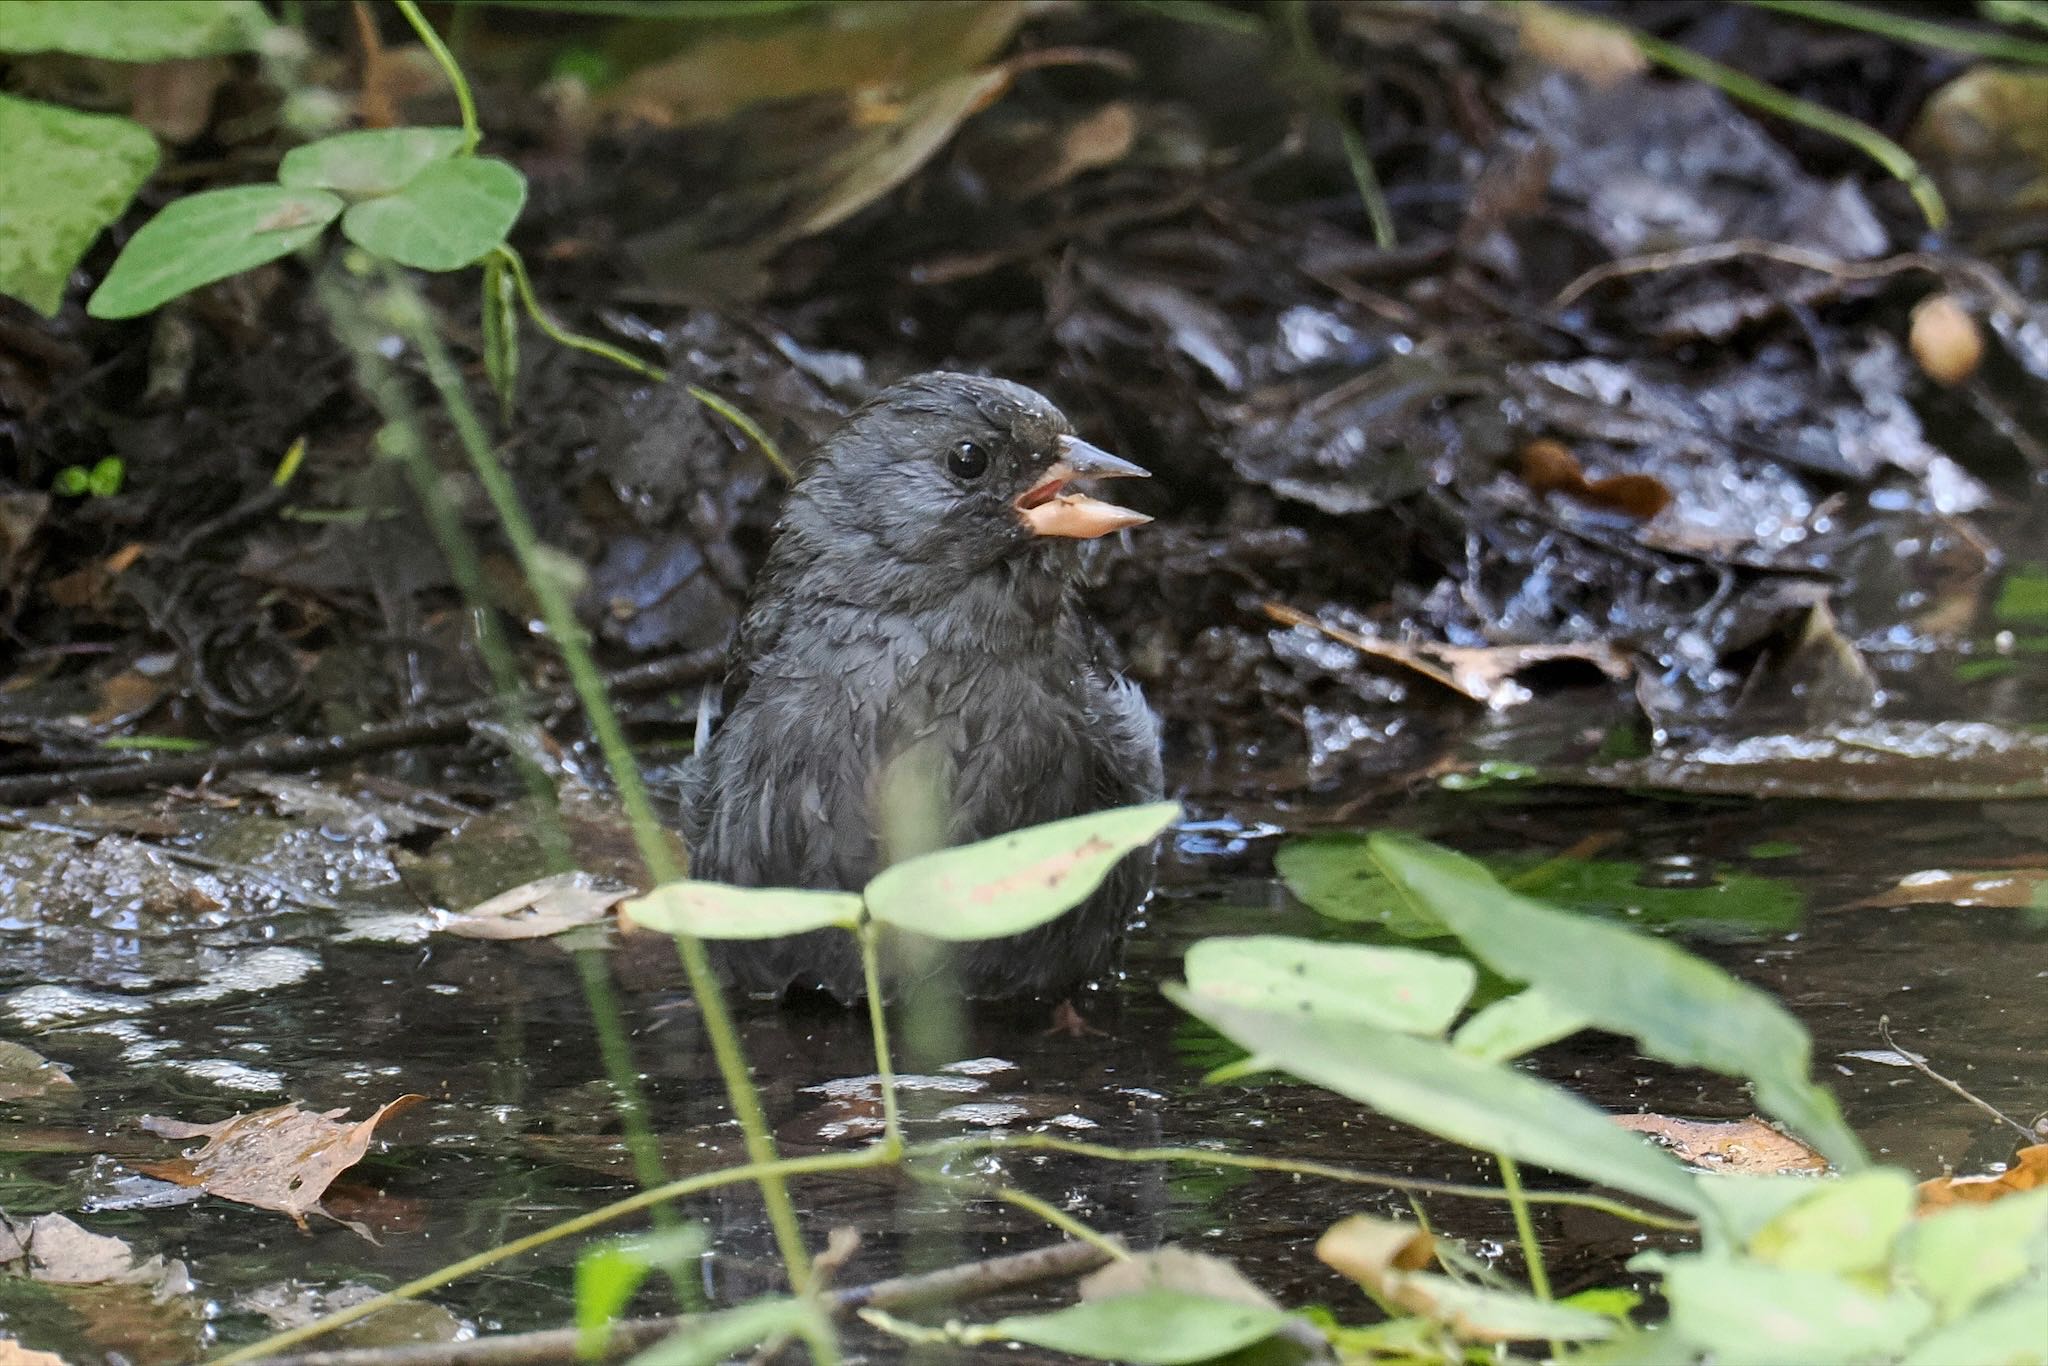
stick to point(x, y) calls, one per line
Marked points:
point(576, 341)
point(1873, 144)
point(472, 132)
point(885, 1068)
point(1525, 1227)
point(757, 1172)
point(1326, 1171)
point(1320, 76)
point(617, 1053)
point(1904, 28)
point(560, 617)
point(1024, 1200)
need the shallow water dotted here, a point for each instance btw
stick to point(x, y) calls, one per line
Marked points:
point(217, 999)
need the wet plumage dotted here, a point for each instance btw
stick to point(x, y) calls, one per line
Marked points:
point(917, 620)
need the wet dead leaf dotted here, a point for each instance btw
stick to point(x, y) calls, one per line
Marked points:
point(1985, 138)
point(1367, 1248)
point(1549, 467)
point(1175, 1268)
point(174, 98)
point(543, 907)
point(857, 50)
point(61, 1252)
point(2029, 1171)
point(281, 1159)
point(13, 1353)
point(128, 696)
point(1873, 761)
point(2021, 888)
point(26, 1075)
point(1749, 1146)
point(1100, 139)
point(1483, 673)
point(1391, 1259)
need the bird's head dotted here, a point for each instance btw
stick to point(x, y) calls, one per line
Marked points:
point(960, 474)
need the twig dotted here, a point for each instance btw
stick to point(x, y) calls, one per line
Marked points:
point(1884, 1031)
point(949, 1285)
point(2004, 297)
point(295, 753)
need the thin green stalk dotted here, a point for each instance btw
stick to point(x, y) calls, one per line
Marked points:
point(1024, 1200)
point(885, 1069)
point(576, 341)
point(617, 1053)
point(1323, 1170)
point(822, 1163)
point(1317, 71)
point(1873, 144)
point(472, 132)
point(559, 615)
point(1525, 1227)
point(1904, 28)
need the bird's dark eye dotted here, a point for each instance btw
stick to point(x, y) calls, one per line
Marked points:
point(967, 460)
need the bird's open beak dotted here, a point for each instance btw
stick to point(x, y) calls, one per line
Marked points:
point(1049, 510)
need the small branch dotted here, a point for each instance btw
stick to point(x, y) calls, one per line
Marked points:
point(949, 1285)
point(1884, 1031)
point(296, 753)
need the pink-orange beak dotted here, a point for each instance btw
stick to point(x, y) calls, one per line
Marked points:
point(1049, 510)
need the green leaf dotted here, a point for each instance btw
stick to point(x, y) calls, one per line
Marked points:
point(1487, 1315)
point(1961, 1254)
point(712, 910)
point(707, 1339)
point(1404, 989)
point(2023, 597)
point(1334, 876)
point(104, 481)
point(68, 175)
point(206, 237)
point(609, 1274)
point(1745, 1205)
point(1149, 1328)
point(1677, 1007)
point(372, 161)
point(1517, 1024)
point(1847, 1225)
point(447, 217)
point(132, 30)
point(2009, 1330)
point(1012, 882)
point(1744, 1312)
point(1444, 1092)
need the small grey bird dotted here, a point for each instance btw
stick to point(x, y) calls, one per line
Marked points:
point(914, 671)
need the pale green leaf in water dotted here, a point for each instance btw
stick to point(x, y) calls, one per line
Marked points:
point(1013, 882)
point(1746, 1313)
point(1430, 1085)
point(449, 216)
point(132, 30)
point(1847, 1225)
point(67, 176)
point(609, 1274)
point(1404, 989)
point(1959, 1255)
point(1334, 876)
point(206, 237)
point(371, 161)
point(712, 910)
point(706, 1339)
point(1149, 1328)
point(1517, 1024)
point(1677, 1007)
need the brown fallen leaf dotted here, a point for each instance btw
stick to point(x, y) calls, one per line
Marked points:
point(543, 907)
point(27, 1075)
point(1747, 1146)
point(59, 1251)
point(13, 1353)
point(1483, 673)
point(1548, 466)
point(2022, 888)
point(2029, 1171)
point(1392, 1260)
point(282, 1158)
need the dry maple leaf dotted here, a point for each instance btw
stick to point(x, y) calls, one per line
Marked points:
point(2029, 1171)
point(283, 1158)
point(1749, 1146)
